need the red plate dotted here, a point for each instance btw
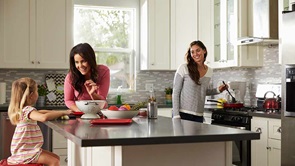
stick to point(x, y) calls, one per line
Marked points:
point(111, 121)
point(78, 113)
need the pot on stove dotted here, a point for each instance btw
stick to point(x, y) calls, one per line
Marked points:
point(272, 103)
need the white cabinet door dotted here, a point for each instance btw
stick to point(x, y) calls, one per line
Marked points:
point(274, 152)
point(267, 150)
point(58, 141)
point(167, 29)
point(259, 147)
point(54, 33)
point(17, 33)
point(184, 29)
point(59, 147)
point(205, 20)
point(228, 24)
point(155, 35)
point(36, 33)
point(283, 6)
point(274, 129)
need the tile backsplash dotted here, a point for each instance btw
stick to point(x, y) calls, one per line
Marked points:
point(269, 73)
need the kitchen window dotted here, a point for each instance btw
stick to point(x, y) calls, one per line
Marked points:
point(111, 29)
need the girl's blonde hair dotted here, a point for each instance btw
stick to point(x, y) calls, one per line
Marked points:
point(20, 91)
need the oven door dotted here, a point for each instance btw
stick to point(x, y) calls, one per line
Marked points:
point(241, 149)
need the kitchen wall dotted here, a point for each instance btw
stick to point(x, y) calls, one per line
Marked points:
point(269, 73)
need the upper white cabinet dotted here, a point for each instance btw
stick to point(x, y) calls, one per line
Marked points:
point(167, 29)
point(184, 29)
point(155, 35)
point(284, 5)
point(229, 21)
point(36, 33)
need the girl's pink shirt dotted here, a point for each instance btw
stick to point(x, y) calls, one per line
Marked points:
point(103, 82)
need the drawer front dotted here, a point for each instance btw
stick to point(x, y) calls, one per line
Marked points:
point(60, 151)
point(63, 160)
point(58, 141)
point(274, 129)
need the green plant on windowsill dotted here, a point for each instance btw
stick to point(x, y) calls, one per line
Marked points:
point(42, 90)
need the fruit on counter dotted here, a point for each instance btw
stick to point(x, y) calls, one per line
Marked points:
point(123, 108)
point(64, 117)
point(127, 106)
point(113, 108)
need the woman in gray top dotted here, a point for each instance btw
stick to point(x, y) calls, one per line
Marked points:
point(191, 82)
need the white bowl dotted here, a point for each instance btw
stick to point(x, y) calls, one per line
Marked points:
point(90, 108)
point(119, 114)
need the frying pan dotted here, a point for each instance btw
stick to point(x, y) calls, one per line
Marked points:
point(229, 105)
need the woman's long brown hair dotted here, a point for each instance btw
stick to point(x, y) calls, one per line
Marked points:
point(191, 64)
point(87, 53)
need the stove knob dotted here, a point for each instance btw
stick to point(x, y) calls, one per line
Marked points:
point(239, 119)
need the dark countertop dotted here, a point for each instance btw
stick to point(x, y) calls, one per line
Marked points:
point(145, 131)
point(265, 114)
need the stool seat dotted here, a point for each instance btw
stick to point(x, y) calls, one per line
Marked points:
point(3, 162)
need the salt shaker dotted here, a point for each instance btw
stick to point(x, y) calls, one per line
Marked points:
point(152, 107)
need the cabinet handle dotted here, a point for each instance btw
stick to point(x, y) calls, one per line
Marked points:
point(279, 130)
point(268, 148)
point(33, 62)
point(258, 130)
point(66, 159)
point(38, 62)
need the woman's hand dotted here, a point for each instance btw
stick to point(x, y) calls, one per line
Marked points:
point(90, 86)
point(222, 87)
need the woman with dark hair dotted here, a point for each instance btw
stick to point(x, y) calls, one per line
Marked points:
point(86, 80)
point(191, 82)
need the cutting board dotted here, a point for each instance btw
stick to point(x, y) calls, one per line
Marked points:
point(59, 81)
point(111, 121)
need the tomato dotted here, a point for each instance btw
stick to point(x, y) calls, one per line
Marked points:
point(113, 108)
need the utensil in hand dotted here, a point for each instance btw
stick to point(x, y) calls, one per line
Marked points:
point(233, 98)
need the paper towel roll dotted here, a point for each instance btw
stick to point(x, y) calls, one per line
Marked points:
point(2, 92)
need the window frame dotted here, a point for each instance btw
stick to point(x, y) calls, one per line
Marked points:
point(128, 4)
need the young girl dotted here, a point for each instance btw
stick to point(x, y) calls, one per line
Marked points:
point(28, 139)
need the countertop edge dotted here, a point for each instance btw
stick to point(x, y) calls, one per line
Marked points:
point(247, 135)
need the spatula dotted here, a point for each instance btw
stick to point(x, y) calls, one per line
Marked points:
point(233, 98)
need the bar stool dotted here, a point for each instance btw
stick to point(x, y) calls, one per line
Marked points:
point(3, 162)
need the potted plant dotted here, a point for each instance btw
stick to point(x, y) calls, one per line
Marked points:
point(42, 91)
point(168, 92)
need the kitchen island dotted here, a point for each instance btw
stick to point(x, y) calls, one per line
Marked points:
point(163, 141)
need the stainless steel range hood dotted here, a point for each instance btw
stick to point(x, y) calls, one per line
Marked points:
point(262, 23)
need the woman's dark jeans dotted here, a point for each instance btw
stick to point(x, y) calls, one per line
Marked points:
point(190, 117)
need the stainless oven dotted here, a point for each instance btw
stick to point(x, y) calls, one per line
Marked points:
point(239, 120)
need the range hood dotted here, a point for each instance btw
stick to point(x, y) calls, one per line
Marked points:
point(262, 23)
